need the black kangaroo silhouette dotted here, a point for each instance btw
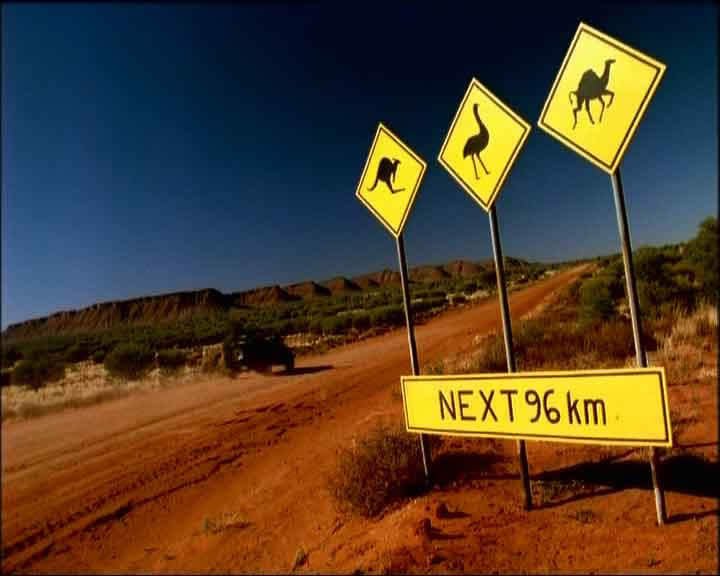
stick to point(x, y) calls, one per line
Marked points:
point(477, 143)
point(592, 87)
point(386, 173)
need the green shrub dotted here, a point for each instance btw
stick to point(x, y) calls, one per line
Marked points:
point(316, 325)
point(336, 324)
point(78, 352)
point(99, 355)
point(299, 324)
point(228, 355)
point(596, 299)
point(10, 355)
point(384, 467)
point(36, 369)
point(702, 254)
point(361, 321)
point(171, 360)
point(469, 287)
point(387, 316)
point(129, 361)
point(492, 358)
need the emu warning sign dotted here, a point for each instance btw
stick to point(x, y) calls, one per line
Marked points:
point(483, 142)
point(599, 96)
point(390, 180)
point(622, 407)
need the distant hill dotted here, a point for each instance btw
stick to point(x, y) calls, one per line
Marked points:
point(341, 284)
point(428, 274)
point(307, 290)
point(262, 296)
point(147, 309)
point(180, 305)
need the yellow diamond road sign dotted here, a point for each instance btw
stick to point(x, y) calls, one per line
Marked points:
point(624, 407)
point(599, 96)
point(390, 180)
point(483, 141)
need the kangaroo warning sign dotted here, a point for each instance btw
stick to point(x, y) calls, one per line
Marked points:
point(622, 407)
point(599, 96)
point(390, 180)
point(483, 142)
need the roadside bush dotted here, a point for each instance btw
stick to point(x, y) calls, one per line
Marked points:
point(336, 324)
point(596, 300)
point(171, 360)
point(702, 254)
point(99, 356)
point(282, 327)
point(384, 467)
point(37, 369)
point(361, 321)
point(299, 324)
point(387, 316)
point(10, 355)
point(129, 361)
point(492, 358)
point(78, 352)
point(315, 325)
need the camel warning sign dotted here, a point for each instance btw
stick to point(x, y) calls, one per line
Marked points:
point(623, 407)
point(484, 140)
point(390, 180)
point(599, 96)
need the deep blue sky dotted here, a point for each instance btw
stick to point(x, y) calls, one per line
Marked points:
point(150, 148)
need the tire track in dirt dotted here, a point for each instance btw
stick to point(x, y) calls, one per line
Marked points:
point(122, 473)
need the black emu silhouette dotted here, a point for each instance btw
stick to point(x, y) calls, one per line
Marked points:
point(386, 173)
point(592, 87)
point(477, 143)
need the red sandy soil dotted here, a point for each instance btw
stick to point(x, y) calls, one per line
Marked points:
point(130, 485)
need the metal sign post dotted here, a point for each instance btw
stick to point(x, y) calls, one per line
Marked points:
point(487, 132)
point(507, 332)
point(640, 355)
point(402, 261)
point(388, 186)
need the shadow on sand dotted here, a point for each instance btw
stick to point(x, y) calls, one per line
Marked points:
point(303, 370)
point(457, 466)
point(684, 473)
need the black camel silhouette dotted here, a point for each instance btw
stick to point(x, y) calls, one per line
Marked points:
point(386, 173)
point(477, 143)
point(592, 87)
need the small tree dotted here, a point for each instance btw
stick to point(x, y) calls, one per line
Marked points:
point(36, 369)
point(702, 253)
point(129, 361)
point(596, 301)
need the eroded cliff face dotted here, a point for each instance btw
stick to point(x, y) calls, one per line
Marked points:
point(179, 305)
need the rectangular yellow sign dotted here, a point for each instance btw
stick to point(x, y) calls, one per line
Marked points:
point(599, 96)
point(622, 407)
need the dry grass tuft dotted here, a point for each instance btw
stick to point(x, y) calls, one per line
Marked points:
point(227, 521)
point(683, 351)
point(84, 384)
point(382, 468)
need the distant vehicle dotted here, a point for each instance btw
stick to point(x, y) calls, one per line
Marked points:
point(257, 351)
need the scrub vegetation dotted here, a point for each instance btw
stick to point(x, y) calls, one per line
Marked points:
point(129, 351)
point(588, 326)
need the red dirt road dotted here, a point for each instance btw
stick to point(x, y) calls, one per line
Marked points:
point(128, 486)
